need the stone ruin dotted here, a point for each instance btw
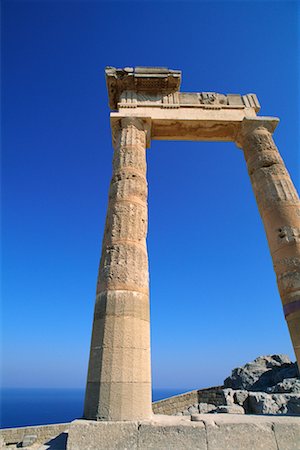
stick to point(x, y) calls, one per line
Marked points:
point(147, 104)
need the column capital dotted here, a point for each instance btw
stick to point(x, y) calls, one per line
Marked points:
point(249, 125)
point(141, 123)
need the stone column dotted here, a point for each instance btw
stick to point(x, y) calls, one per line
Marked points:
point(279, 207)
point(119, 376)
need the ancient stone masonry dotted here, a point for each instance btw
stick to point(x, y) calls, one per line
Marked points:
point(146, 104)
point(119, 384)
point(279, 207)
point(203, 100)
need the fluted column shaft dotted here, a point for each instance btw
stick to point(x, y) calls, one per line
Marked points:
point(119, 376)
point(279, 207)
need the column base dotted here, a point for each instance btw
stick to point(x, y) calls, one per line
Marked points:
point(222, 431)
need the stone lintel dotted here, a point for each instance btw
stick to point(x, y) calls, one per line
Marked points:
point(140, 79)
point(197, 124)
point(179, 124)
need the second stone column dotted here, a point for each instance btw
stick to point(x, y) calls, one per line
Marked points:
point(279, 207)
point(119, 375)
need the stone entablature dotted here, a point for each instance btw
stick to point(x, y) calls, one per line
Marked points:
point(159, 87)
point(152, 94)
point(203, 100)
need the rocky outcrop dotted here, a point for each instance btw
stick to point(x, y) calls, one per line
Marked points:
point(267, 385)
point(263, 403)
point(289, 385)
point(263, 373)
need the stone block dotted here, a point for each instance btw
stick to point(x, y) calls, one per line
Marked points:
point(29, 439)
point(235, 435)
point(92, 435)
point(287, 435)
point(240, 397)
point(194, 409)
point(172, 437)
point(117, 364)
point(206, 408)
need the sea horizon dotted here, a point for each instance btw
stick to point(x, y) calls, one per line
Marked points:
point(21, 407)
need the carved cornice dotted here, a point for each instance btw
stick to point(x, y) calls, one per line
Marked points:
point(248, 126)
point(140, 79)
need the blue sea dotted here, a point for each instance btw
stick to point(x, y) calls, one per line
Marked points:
point(24, 407)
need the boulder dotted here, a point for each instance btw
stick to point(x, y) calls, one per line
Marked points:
point(240, 397)
point(194, 409)
point(228, 396)
point(262, 373)
point(205, 408)
point(263, 403)
point(28, 440)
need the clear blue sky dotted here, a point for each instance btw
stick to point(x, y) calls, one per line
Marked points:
point(214, 301)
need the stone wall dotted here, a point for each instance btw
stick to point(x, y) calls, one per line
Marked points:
point(179, 403)
point(42, 432)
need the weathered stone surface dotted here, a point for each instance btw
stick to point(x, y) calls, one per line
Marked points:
point(2, 443)
point(205, 399)
point(279, 207)
point(262, 403)
point(205, 408)
point(228, 396)
point(240, 436)
point(194, 409)
point(175, 404)
point(143, 79)
point(209, 431)
point(91, 435)
point(119, 375)
point(230, 409)
point(199, 408)
point(240, 397)
point(172, 437)
point(196, 418)
point(43, 432)
point(262, 373)
point(289, 385)
point(287, 435)
point(29, 439)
